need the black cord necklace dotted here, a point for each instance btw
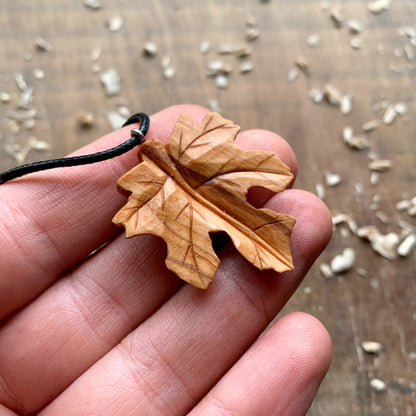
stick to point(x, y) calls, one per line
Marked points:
point(137, 137)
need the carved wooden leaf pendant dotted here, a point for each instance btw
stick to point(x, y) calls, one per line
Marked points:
point(197, 184)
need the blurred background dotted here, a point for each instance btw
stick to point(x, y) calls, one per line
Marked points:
point(336, 79)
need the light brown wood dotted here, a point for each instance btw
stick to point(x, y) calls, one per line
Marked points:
point(197, 184)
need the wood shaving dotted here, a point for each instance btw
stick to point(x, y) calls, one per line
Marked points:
point(221, 81)
point(383, 244)
point(246, 67)
point(372, 347)
point(5, 97)
point(38, 145)
point(111, 82)
point(316, 95)
point(354, 26)
point(95, 54)
point(205, 47)
point(320, 190)
point(217, 67)
point(38, 74)
point(337, 16)
point(252, 33)
point(407, 245)
point(115, 119)
point(86, 120)
point(302, 64)
point(380, 165)
point(378, 385)
point(243, 50)
point(326, 270)
point(343, 262)
point(382, 217)
point(92, 4)
point(43, 45)
point(359, 142)
point(313, 40)
point(332, 95)
point(332, 179)
point(409, 52)
point(226, 49)
point(150, 49)
point(115, 23)
point(346, 103)
point(378, 6)
point(293, 75)
point(374, 178)
point(356, 43)
point(370, 125)
point(214, 105)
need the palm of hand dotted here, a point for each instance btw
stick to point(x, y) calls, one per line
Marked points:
point(115, 333)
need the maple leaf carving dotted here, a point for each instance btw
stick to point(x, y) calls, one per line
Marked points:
point(197, 184)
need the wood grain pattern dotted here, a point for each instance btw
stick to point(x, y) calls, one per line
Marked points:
point(197, 184)
point(380, 306)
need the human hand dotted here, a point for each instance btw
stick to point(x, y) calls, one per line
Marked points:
point(116, 333)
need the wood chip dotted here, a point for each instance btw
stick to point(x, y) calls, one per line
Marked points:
point(333, 95)
point(337, 16)
point(38, 74)
point(95, 53)
point(354, 26)
point(226, 49)
point(43, 45)
point(378, 6)
point(38, 145)
point(326, 270)
point(293, 75)
point(407, 245)
point(313, 40)
point(346, 103)
point(343, 262)
point(316, 95)
point(370, 125)
point(383, 244)
point(372, 347)
point(378, 385)
point(205, 47)
point(332, 179)
point(243, 50)
point(356, 43)
point(150, 49)
point(380, 165)
point(111, 82)
point(252, 33)
point(115, 119)
point(86, 120)
point(320, 190)
point(246, 67)
point(302, 64)
point(5, 97)
point(92, 4)
point(357, 142)
point(115, 23)
point(218, 66)
point(221, 81)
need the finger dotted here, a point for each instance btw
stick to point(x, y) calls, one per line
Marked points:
point(271, 142)
point(89, 312)
point(177, 355)
point(279, 375)
point(51, 220)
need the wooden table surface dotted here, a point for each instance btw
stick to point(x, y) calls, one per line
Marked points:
point(376, 300)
